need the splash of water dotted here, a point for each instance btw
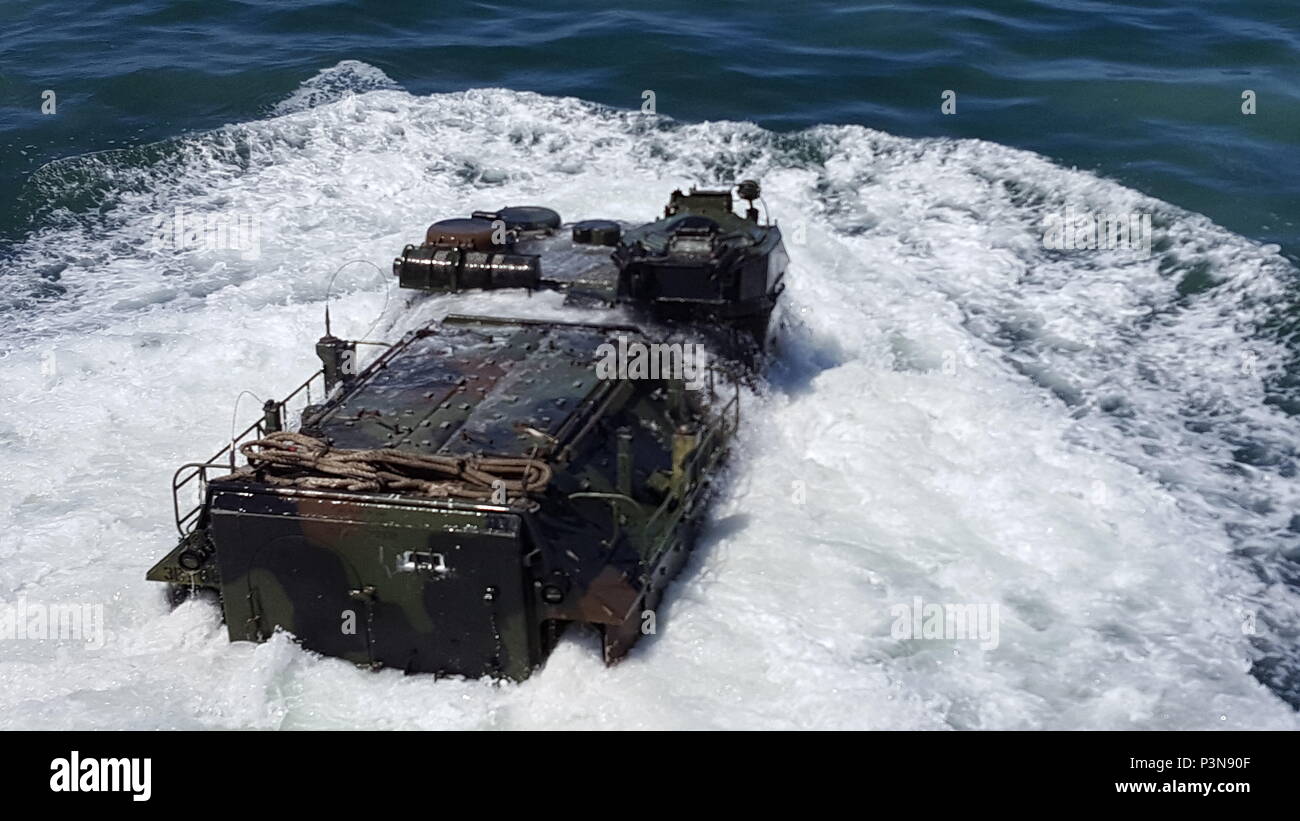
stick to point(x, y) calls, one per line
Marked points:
point(957, 413)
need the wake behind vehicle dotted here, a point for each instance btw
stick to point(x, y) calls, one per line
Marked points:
point(488, 481)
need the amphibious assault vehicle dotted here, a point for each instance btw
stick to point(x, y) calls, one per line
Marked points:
point(486, 481)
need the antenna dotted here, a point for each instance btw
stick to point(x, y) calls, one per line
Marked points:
point(330, 287)
point(234, 420)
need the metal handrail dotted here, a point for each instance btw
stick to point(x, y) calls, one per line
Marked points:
point(199, 470)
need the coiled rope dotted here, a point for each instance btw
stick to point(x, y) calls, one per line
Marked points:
point(287, 458)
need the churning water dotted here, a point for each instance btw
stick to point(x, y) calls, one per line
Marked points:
point(1094, 442)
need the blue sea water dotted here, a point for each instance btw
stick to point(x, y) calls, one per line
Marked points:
point(1105, 445)
point(1147, 94)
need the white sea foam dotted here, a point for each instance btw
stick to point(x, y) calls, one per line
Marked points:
point(934, 428)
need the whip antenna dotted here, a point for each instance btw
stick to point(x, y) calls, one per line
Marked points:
point(330, 288)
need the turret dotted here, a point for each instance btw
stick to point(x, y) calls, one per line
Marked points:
point(704, 262)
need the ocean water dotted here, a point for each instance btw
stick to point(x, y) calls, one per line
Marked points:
point(1101, 444)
